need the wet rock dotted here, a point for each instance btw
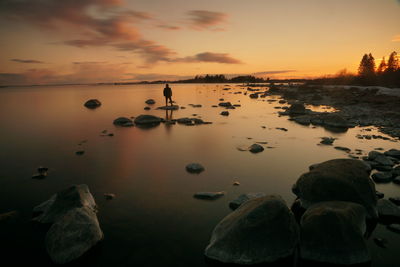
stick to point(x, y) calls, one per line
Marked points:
point(337, 180)
point(225, 104)
point(225, 113)
point(387, 208)
point(80, 152)
point(372, 155)
point(236, 183)
point(373, 164)
point(261, 230)
point(382, 177)
point(380, 195)
point(194, 168)
point(383, 168)
point(394, 227)
point(237, 202)
point(396, 180)
point(383, 160)
point(393, 153)
point(256, 148)
point(150, 101)
point(92, 103)
point(146, 108)
point(327, 140)
point(72, 235)
point(332, 232)
point(297, 108)
point(335, 120)
point(109, 196)
point(253, 95)
point(123, 121)
point(208, 195)
point(59, 204)
point(303, 120)
point(147, 120)
point(282, 129)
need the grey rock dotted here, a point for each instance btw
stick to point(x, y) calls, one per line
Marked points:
point(194, 168)
point(208, 195)
point(237, 202)
point(297, 108)
point(335, 120)
point(382, 177)
point(303, 120)
point(123, 121)
point(256, 148)
point(383, 168)
point(76, 196)
point(393, 153)
point(387, 208)
point(327, 140)
point(147, 120)
point(373, 154)
point(261, 230)
point(92, 103)
point(224, 104)
point(225, 113)
point(72, 235)
point(383, 160)
point(337, 180)
point(332, 232)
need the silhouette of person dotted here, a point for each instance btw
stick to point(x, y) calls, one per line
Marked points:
point(168, 94)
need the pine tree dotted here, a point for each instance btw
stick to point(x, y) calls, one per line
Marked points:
point(393, 62)
point(382, 66)
point(367, 66)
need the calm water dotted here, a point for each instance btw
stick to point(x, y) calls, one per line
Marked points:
point(154, 220)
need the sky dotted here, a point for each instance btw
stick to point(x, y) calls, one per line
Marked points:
point(90, 41)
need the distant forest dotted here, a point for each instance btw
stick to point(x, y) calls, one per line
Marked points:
point(386, 74)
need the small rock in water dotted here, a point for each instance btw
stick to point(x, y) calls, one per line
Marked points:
point(394, 227)
point(236, 183)
point(256, 148)
point(104, 131)
point(282, 129)
point(380, 195)
point(122, 121)
point(194, 168)
point(110, 134)
point(225, 113)
point(92, 103)
point(109, 196)
point(327, 140)
point(147, 108)
point(148, 120)
point(80, 152)
point(382, 177)
point(208, 195)
point(150, 101)
point(345, 149)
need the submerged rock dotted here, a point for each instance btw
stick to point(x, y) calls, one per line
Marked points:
point(337, 180)
point(194, 168)
point(327, 140)
point(237, 202)
point(173, 107)
point(332, 232)
point(150, 101)
point(72, 235)
point(208, 195)
point(92, 103)
point(225, 113)
point(123, 121)
point(261, 230)
point(147, 120)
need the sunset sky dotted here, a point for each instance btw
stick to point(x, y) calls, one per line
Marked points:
point(86, 41)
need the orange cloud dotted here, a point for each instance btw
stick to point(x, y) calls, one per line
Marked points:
point(206, 20)
point(396, 38)
point(211, 57)
point(27, 61)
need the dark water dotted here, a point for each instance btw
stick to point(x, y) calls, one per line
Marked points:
point(154, 220)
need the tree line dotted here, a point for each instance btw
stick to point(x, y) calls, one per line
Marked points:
point(386, 74)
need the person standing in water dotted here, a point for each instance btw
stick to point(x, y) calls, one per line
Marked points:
point(168, 94)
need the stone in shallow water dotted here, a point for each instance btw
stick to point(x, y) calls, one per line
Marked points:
point(194, 168)
point(383, 160)
point(393, 153)
point(92, 103)
point(338, 179)
point(225, 113)
point(332, 232)
point(147, 120)
point(237, 202)
point(261, 230)
point(208, 195)
point(150, 101)
point(72, 235)
point(327, 140)
point(382, 177)
point(256, 148)
point(123, 121)
point(174, 107)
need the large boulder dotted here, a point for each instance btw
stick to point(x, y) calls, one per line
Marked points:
point(72, 235)
point(92, 103)
point(147, 120)
point(338, 180)
point(332, 232)
point(237, 202)
point(261, 230)
point(53, 209)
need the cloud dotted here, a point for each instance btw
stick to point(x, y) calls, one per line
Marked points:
point(273, 72)
point(206, 20)
point(169, 27)
point(29, 61)
point(396, 38)
point(210, 57)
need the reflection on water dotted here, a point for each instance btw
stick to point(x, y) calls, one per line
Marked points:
point(154, 220)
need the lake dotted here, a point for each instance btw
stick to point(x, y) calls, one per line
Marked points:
point(154, 219)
